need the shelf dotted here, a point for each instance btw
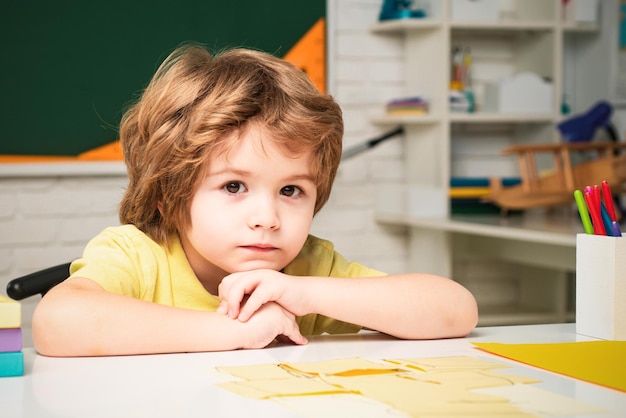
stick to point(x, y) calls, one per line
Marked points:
point(403, 25)
point(579, 27)
point(478, 117)
point(500, 118)
point(520, 315)
point(529, 239)
point(383, 119)
point(532, 227)
point(506, 26)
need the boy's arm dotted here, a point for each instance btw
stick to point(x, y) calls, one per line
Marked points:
point(409, 306)
point(79, 318)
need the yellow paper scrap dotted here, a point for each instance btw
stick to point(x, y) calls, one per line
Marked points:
point(257, 371)
point(347, 367)
point(447, 364)
point(331, 405)
point(271, 388)
point(473, 379)
point(600, 362)
point(244, 390)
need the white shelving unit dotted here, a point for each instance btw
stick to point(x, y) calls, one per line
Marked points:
point(530, 36)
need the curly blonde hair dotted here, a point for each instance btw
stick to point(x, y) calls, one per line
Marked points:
point(196, 106)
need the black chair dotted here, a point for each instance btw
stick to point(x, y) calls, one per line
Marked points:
point(38, 282)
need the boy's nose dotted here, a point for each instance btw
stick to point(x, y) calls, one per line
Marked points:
point(264, 215)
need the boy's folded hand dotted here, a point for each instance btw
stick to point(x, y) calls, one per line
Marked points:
point(243, 293)
point(269, 322)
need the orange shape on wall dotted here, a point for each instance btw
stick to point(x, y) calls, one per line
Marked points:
point(108, 152)
point(309, 54)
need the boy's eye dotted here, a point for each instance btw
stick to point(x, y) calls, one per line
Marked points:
point(290, 191)
point(234, 187)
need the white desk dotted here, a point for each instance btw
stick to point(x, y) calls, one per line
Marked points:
point(182, 385)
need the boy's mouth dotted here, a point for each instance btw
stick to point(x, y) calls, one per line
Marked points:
point(259, 247)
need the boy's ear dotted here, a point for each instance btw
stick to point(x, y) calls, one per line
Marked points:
point(160, 207)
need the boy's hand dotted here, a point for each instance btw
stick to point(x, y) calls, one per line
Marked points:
point(268, 322)
point(260, 287)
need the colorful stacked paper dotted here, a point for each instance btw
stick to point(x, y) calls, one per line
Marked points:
point(407, 106)
point(11, 356)
point(468, 194)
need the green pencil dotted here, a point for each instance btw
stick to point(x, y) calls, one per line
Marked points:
point(583, 212)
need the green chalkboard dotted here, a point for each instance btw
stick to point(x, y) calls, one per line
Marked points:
point(69, 68)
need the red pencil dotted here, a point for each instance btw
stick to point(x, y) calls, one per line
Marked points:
point(608, 200)
point(598, 227)
point(596, 196)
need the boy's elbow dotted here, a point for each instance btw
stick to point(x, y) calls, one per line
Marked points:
point(456, 318)
point(465, 318)
point(53, 322)
point(46, 333)
point(41, 335)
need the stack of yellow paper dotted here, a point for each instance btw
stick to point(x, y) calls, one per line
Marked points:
point(418, 387)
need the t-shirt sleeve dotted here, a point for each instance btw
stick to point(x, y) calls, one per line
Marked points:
point(118, 260)
point(319, 258)
point(341, 267)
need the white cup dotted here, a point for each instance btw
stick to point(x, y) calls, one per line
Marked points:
point(601, 286)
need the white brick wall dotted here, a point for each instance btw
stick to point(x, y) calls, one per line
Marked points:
point(47, 220)
point(364, 72)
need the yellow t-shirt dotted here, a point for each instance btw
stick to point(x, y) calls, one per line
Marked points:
point(125, 260)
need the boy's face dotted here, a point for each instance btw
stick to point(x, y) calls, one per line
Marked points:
point(253, 210)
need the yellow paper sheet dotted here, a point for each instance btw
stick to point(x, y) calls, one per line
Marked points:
point(333, 405)
point(416, 397)
point(272, 388)
point(600, 362)
point(257, 371)
point(474, 379)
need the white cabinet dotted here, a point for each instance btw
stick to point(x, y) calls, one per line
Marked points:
point(528, 36)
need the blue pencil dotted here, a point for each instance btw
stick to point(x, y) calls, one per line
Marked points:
point(612, 227)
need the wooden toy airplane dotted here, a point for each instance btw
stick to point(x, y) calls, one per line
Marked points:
point(558, 187)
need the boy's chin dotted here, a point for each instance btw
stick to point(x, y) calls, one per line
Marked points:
point(251, 266)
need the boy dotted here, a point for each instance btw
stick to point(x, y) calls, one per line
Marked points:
point(229, 157)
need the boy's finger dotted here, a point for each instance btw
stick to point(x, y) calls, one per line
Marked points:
point(234, 301)
point(252, 304)
point(223, 308)
point(295, 336)
point(233, 309)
